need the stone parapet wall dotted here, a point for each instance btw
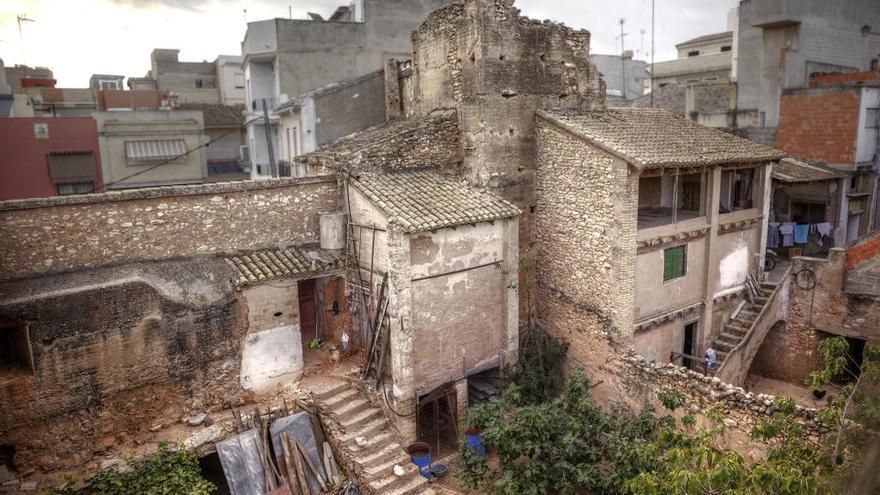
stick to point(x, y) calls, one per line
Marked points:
point(742, 410)
point(51, 235)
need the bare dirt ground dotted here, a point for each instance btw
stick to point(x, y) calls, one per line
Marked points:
point(801, 394)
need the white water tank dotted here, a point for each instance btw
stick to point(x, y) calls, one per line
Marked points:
point(332, 230)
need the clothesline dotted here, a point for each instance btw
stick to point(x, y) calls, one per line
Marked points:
point(792, 234)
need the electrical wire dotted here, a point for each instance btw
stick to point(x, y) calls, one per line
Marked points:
point(104, 187)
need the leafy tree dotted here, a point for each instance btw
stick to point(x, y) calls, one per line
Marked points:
point(539, 373)
point(472, 472)
point(165, 472)
point(850, 400)
point(566, 445)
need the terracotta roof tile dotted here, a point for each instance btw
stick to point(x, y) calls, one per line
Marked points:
point(292, 262)
point(217, 114)
point(655, 138)
point(792, 170)
point(422, 200)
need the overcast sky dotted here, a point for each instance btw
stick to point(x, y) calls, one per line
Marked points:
point(77, 38)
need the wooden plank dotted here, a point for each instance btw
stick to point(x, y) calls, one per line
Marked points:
point(289, 457)
point(311, 465)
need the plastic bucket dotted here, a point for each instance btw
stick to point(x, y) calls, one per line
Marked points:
point(474, 440)
point(420, 454)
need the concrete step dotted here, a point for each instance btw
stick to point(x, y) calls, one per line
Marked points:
point(379, 455)
point(332, 392)
point(383, 464)
point(341, 398)
point(366, 430)
point(362, 418)
point(722, 347)
point(351, 408)
point(398, 485)
point(734, 329)
point(373, 443)
point(731, 340)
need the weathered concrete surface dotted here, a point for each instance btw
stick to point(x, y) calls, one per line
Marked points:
point(67, 233)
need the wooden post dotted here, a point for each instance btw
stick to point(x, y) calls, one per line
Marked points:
point(297, 463)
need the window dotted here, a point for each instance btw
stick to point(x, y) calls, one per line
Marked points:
point(69, 188)
point(199, 83)
point(725, 48)
point(108, 85)
point(674, 263)
point(737, 190)
point(693, 53)
point(670, 198)
point(142, 152)
point(239, 81)
point(73, 172)
point(871, 118)
point(854, 183)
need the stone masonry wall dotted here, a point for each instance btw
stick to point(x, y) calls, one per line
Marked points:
point(432, 140)
point(116, 351)
point(67, 233)
point(585, 223)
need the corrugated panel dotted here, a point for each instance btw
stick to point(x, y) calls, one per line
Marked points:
point(153, 151)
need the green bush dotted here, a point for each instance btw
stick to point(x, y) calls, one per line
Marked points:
point(165, 472)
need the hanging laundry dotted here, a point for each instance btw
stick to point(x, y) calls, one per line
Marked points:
point(773, 234)
point(801, 233)
point(786, 230)
point(824, 229)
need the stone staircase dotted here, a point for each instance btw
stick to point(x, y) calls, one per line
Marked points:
point(353, 415)
point(735, 330)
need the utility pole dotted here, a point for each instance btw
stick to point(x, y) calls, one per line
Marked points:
point(652, 53)
point(273, 170)
point(623, 57)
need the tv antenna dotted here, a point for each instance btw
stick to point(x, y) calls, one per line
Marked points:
point(22, 18)
point(622, 59)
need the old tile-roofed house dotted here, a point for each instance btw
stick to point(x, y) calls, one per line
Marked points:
point(660, 219)
point(451, 255)
point(218, 114)
point(422, 200)
point(655, 138)
point(223, 125)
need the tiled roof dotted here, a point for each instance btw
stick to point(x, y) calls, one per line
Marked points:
point(292, 262)
point(655, 138)
point(792, 170)
point(217, 114)
point(422, 200)
point(707, 37)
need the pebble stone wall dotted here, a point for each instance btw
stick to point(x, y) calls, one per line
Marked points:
point(51, 235)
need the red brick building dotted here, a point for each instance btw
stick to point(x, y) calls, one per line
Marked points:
point(835, 121)
point(48, 157)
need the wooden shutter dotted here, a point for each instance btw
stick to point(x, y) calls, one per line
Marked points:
point(673, 263)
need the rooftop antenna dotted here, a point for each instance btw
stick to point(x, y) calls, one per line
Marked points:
point(642, 42)
point(22, 18)
point(623, 57)
point(289, 11)
point(652, 53)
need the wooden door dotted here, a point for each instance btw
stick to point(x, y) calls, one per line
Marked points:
point(308, 323)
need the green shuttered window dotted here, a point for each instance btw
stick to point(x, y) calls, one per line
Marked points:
point(674, 263)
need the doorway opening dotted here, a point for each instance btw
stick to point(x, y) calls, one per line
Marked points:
point(15, 348)
point(212, 471)
point(854, 357)
point(690, 337)
point(308, 321)
point(437, 420)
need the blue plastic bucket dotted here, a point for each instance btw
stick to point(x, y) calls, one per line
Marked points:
point(474, 441)
point(420, 454)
